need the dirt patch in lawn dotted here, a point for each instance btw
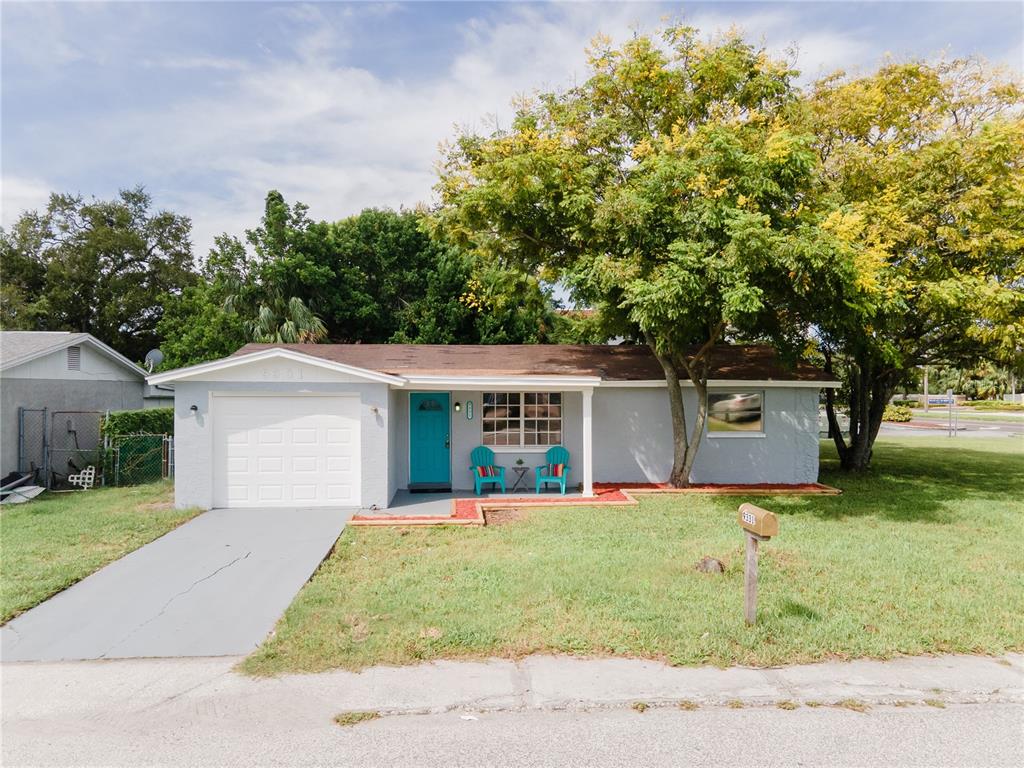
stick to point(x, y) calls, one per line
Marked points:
point(156, 506)
point(505, 516)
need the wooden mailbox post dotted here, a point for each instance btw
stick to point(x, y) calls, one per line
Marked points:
point(760, 525)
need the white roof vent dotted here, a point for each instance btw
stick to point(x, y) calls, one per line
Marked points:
point(74, 358)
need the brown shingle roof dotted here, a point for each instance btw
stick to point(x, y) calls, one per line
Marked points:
point(610, 362)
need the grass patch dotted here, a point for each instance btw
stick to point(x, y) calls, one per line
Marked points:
point(348, 719)
point(919, 555)
point(689, 706)
point(788, 705)
point(937, 703)
point(853, 705)
point(640, 706)
point(53, 541)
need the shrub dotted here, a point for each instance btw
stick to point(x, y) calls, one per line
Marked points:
point(994, 405)
point(897, 413)
point(152, 421)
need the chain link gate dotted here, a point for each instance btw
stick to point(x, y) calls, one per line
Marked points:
point(33, 450)
point(74, 445)
point(137, 459)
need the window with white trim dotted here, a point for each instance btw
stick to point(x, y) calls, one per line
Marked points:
point(735, 412)
point(521, 418)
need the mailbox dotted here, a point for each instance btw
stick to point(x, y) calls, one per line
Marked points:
point(759, 522)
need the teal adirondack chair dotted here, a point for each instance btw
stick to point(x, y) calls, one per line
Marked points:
point(555, 455)
point(483, 456)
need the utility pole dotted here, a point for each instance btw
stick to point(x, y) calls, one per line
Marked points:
point(926, 389)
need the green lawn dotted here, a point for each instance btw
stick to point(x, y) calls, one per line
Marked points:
point(51, 542)
point(923, 555)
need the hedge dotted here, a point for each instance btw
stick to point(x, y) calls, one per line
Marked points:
point(149, 421)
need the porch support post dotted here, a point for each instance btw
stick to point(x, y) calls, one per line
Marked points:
point(588, 443)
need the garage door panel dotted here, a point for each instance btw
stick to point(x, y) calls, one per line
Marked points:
point(270, 464)
point(339, 463)
point(281, 451)
point(339, 436)
point(304, 464)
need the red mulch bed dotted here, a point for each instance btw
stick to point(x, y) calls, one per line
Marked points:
point(468, 510)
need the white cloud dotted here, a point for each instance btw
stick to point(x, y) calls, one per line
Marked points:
point(195, 62)
point(341, 138)
point(19, 194)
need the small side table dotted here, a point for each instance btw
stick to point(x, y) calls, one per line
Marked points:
point(520, 483)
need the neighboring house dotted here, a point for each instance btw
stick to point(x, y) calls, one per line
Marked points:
point(64, 373)
point(351, 424)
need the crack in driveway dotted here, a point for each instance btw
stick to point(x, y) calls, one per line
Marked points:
point(167, 605)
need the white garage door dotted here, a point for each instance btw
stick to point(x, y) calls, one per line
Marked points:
point(286, 451)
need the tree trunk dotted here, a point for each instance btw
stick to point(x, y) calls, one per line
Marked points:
point(685, 444)
point(699, 378)
point(870, 390)
point(680, 475)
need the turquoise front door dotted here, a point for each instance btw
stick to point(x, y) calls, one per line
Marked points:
point(429, 439)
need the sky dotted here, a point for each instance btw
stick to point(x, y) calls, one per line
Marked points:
point(344, 106)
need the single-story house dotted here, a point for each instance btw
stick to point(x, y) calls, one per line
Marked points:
point(352, 424)
point(65, 374)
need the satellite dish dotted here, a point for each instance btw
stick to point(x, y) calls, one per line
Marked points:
point(153, 358)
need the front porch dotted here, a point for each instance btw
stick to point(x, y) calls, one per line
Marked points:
point(439, 428)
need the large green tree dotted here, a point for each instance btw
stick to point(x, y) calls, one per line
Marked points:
point(95, 266)
point(375, 277)
point(924, 166)
point(669, 190)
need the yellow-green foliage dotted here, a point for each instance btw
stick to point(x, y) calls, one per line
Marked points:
point(897, 413)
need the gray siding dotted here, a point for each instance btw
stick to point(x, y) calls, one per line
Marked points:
point(57, 395)
point(633, 439)
point(46, 382)
point(193, 435)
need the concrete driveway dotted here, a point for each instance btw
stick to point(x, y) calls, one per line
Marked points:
point(213, 587)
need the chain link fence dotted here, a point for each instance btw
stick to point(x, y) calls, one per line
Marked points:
point(54, 445)
point(137, 459)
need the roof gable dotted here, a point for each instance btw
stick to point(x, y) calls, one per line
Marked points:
point(274, 364)
point(20, 347)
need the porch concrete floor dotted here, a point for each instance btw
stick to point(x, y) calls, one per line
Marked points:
point(406, 504)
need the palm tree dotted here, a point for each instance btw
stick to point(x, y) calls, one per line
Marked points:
point(286, 322)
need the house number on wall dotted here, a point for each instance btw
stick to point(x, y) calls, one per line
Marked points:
point(469, 410)
point(282, 374)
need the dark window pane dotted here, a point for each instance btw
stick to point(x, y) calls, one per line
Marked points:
point(556, 398)
point(735, 412)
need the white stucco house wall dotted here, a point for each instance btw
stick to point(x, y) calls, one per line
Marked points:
point(63, 372)
point(351, 425)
